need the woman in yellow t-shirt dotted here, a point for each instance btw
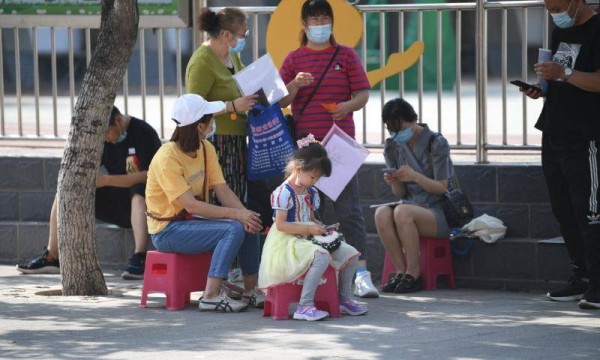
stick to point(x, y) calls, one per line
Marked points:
point(180, 219)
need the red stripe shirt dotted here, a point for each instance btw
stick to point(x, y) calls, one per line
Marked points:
point(344, 77)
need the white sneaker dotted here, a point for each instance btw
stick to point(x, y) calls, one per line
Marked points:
point(222, 303)
point(255, 298)
point(363, 286)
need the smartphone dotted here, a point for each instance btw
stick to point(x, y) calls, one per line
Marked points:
point(525, 85)
point(388, 170)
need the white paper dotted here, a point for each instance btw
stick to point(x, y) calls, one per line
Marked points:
point(394, 203)
point(261, 74)
point(346, 157)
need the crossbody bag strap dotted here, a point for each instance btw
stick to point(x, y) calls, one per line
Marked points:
point(205, 186)
point(319, 82)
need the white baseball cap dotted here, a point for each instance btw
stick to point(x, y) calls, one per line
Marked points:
point(189, 108)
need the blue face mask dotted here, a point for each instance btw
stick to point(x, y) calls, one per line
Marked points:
point(122, 136)
point(563, 20)
point(213, 131)
point(319, 34)
point(402, 136)
point(241, 42)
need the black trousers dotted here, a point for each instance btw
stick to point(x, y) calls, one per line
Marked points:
point(113, 204)
point(572, 176)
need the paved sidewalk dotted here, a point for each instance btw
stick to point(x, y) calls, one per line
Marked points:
point(442, 324)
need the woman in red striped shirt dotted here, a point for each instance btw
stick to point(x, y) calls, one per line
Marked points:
point(327, 83)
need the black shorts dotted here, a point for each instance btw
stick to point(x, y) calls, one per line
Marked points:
point(113, 204)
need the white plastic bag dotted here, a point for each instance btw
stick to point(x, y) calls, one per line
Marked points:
point(488, 228)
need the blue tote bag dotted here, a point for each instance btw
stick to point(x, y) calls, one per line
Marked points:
point(269, 143)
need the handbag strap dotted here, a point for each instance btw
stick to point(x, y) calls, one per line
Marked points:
point(337, 48)
point(205, 185)
point(432, 138)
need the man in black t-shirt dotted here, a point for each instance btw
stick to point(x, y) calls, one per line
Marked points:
point(129, 146)
point(570, 123)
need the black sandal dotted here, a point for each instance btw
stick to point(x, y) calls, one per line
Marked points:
point(391, 285)
point(409, 285)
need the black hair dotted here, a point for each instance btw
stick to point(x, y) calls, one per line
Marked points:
point(187, 137)
point(309, 158)
point(112, 120)
point(230, 19)
point(314, 8)
point(396, 112)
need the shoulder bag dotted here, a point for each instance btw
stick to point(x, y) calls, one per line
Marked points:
point(457, 207)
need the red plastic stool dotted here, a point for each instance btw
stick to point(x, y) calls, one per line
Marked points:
point(435, 260)
point(175, 275)
point(279, 298)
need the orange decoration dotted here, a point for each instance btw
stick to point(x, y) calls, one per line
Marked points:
point(233, 116)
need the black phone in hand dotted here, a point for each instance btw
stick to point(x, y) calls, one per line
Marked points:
point(525, 85)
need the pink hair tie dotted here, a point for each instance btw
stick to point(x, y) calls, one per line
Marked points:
point(305, 141)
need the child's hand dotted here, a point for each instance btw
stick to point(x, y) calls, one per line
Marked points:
point(316, 229)
point(332, 227)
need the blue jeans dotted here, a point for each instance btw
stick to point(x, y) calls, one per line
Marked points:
point(223, 237)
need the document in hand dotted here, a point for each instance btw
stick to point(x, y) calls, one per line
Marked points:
point(398, 202)
point(261, 77)
point(346, 157)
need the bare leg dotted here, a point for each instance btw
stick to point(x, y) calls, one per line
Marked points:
point(386, 228)
point(411, 223)
point(213, 288)
point(138, 223)
point(361, 264)
point(250, 282)
point(53, 234)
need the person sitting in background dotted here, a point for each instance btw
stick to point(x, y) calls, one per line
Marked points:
point(129, 146)
point(419, 167)
point(180, 217)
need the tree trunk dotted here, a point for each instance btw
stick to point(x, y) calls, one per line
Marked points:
point(79, 266)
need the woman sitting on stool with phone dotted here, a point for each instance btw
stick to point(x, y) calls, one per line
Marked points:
point(418, 169)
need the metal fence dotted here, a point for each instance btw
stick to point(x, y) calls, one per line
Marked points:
point(460, 86)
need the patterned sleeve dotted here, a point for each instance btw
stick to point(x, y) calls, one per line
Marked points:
point(316, 200)
point(281, 199)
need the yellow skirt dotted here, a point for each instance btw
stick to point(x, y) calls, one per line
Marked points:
point(286, 258)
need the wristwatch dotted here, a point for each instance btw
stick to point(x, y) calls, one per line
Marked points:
point(568, 73)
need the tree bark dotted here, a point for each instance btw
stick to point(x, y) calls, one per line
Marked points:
point(79, 266)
